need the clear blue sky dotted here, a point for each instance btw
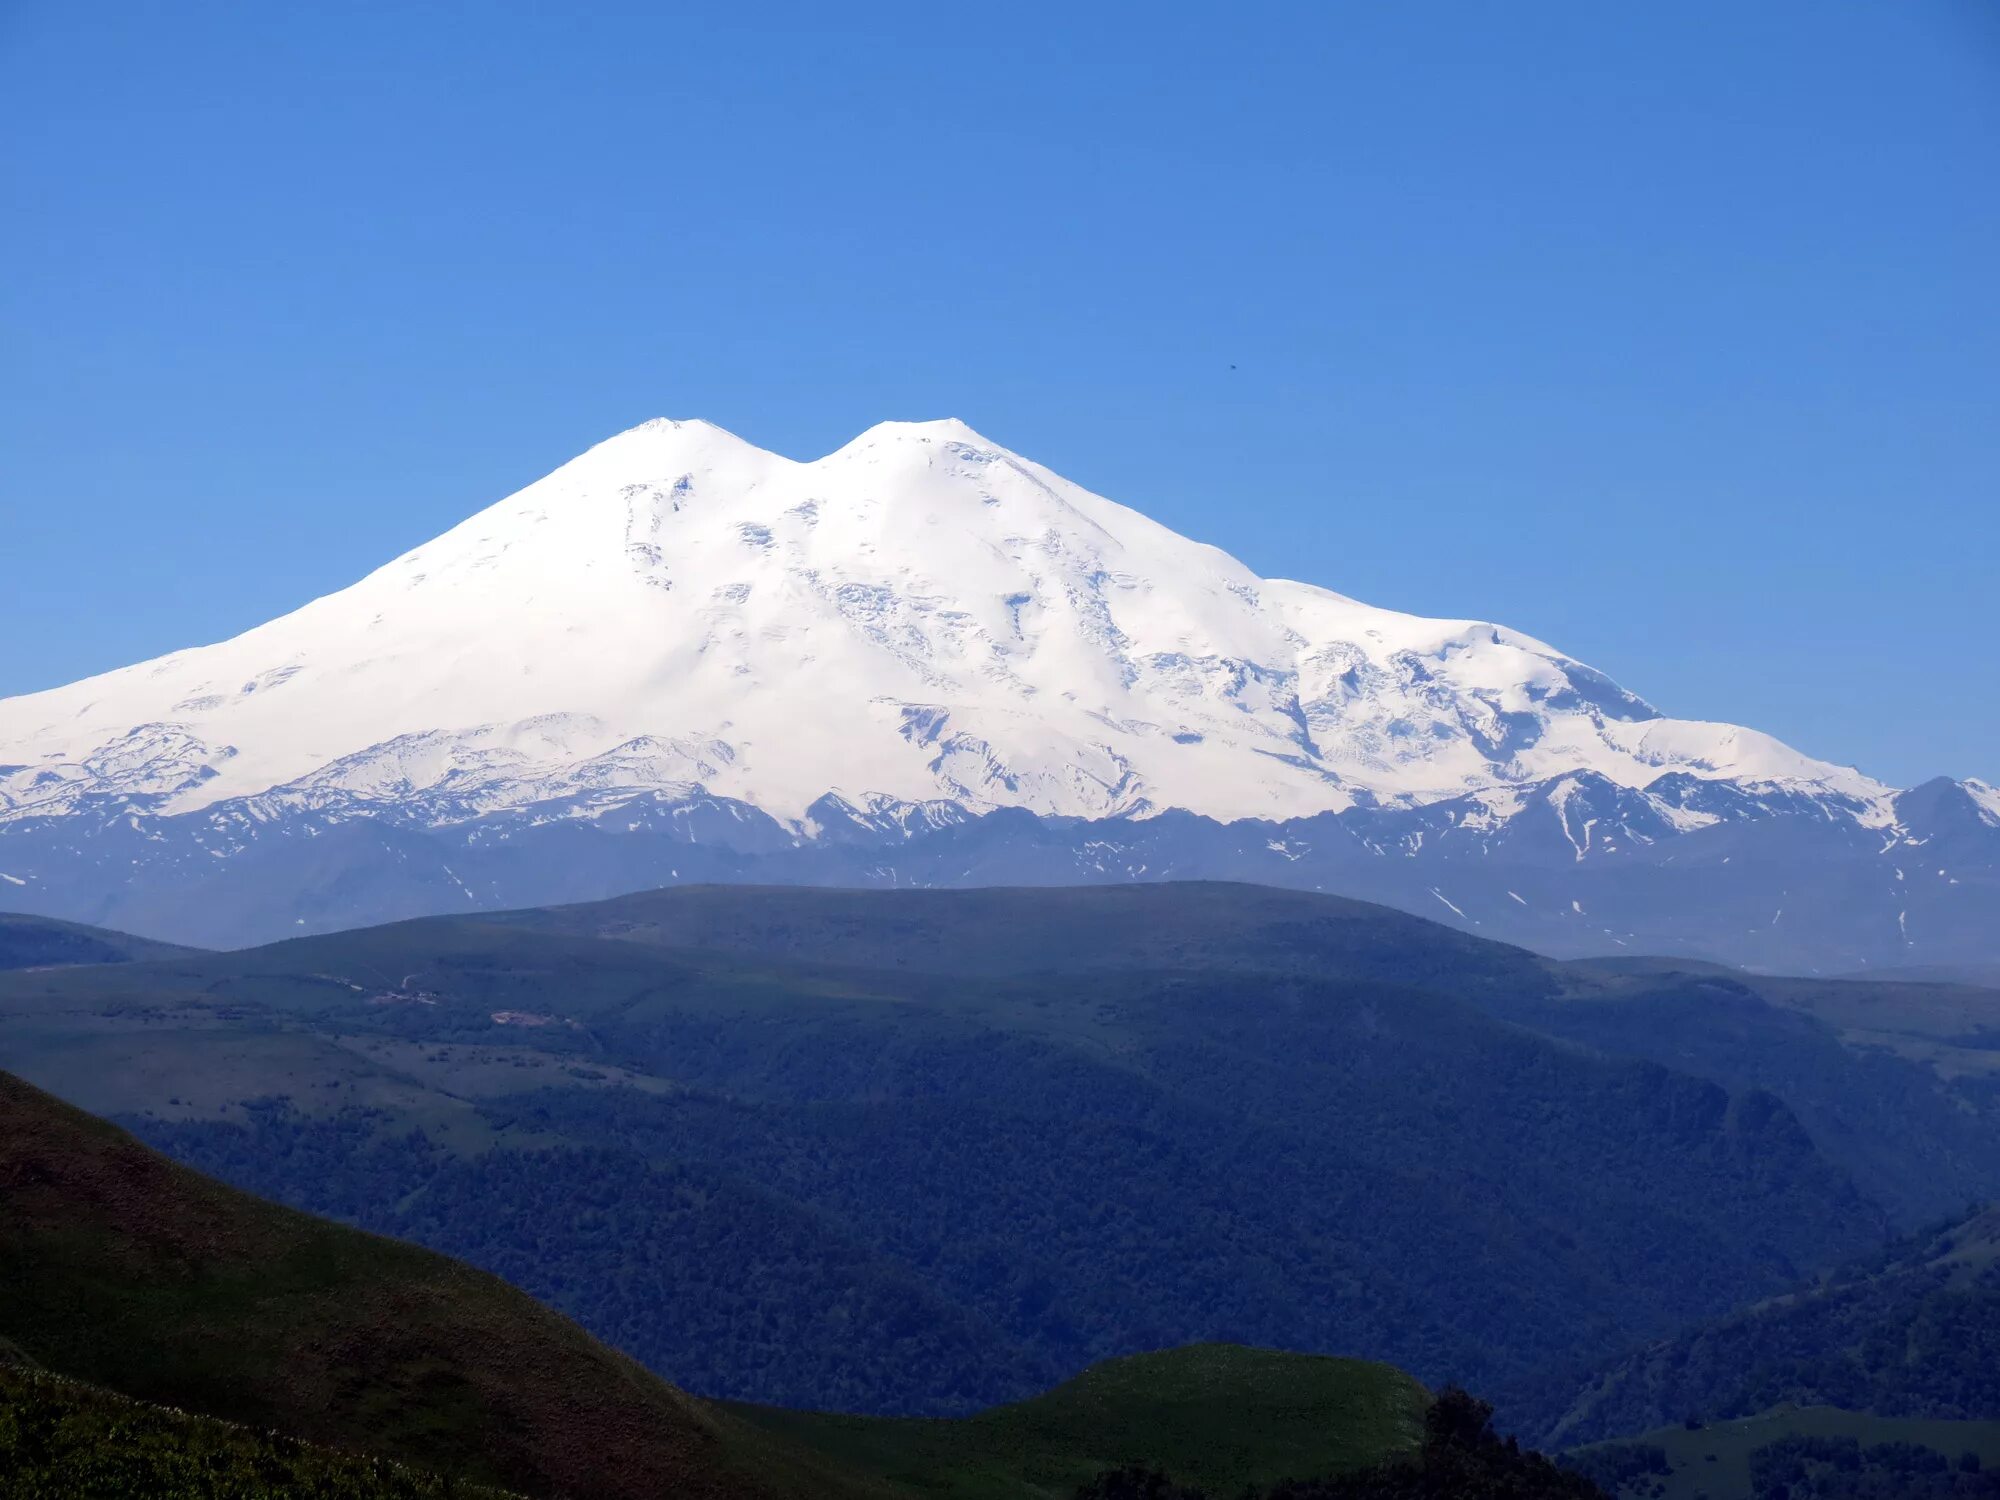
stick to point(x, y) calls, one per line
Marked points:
point(1668, 332)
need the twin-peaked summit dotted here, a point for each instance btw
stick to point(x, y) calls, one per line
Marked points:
point(921, 616)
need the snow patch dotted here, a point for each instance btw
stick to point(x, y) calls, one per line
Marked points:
point(1442, 897)
point(1986, 798)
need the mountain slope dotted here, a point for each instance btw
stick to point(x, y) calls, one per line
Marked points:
point(1214, 1414)
point(37, 942)
point(1910, 1333)
point(125, 1270)
point(64, 1440)
point(665, 610)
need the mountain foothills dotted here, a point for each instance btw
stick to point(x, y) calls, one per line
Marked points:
point(847, 1150)
point(925, 660)
point(1219, 1416)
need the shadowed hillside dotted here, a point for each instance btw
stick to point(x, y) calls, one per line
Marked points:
point(124, 1270)
point(43, 942)
point(1913, 1332)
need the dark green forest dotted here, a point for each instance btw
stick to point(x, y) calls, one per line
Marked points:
point(1334, 1171)
point(1912, 1331)
point(1823, 1468)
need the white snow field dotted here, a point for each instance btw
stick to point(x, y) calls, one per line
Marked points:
point(921, 615)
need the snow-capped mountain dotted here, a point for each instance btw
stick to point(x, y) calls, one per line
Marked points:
point(680, 635)
point(919, 615)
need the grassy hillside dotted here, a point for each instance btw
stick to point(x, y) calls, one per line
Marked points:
point(130, 1272)
point(1189, 924)
point(1217, 1416)
point(1214, 1415)
point(43, 942)
point(1914, 1332)
point(62, 1440)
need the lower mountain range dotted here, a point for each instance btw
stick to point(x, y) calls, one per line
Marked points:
point(923, 1151)
point(1777, 879)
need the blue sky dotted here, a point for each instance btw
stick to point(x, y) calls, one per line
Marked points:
point(1668, 333)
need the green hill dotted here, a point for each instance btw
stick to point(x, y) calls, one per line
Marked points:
point(124, 1270)
point(43, 942)
point(1217, 1416)
point(1002, 931)
point(62, 1440)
